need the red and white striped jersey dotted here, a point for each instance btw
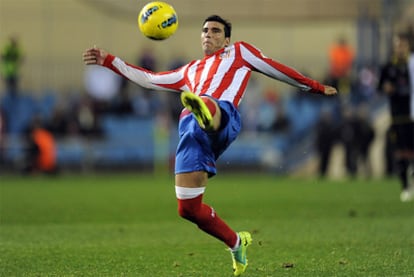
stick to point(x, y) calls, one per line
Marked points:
point(222, 75)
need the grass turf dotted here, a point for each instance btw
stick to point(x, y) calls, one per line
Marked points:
point(127, 225)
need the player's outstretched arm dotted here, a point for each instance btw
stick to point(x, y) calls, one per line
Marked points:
point(94, 56)
point(330, 90)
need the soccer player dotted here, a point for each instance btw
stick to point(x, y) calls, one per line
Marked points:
point(395, 83)
point(212, 89)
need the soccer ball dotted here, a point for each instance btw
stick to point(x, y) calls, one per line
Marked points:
point(157, 20)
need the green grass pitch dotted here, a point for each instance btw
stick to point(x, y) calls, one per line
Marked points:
point(127, 225)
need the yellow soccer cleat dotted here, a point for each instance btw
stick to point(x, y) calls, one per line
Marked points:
point(239, 255)
point(196, 105)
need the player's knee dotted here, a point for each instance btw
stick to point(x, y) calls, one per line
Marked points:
point(189, 199)
point(187, 210)
point(211, 104)
point(183, 212)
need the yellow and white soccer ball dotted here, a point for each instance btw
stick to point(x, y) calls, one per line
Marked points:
point(157, 20)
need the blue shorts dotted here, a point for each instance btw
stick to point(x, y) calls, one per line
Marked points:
point(198, 150)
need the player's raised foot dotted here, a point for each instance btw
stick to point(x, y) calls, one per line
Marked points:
point(199, 109)
point(239, 255)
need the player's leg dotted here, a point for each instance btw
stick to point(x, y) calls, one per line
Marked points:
point(190, 189)
point(404, 144)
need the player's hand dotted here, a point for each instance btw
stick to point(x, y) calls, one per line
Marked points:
point(329, 90)
point(388, 88)
point(94, 55)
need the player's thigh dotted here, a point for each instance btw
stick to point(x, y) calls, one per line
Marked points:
point(194, 179)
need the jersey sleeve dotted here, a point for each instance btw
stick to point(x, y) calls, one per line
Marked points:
point(278, 71)
point(168, 80)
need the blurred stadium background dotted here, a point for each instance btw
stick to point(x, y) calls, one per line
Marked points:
point(94, 130)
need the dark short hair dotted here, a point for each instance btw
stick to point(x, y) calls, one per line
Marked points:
point(227, 24)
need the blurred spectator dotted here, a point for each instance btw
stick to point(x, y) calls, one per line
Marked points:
point(250, 105)
point(357, 134)
point(350, 140)
point(147, 59)
point(326, 136)
point(2, 135)
point(40, 154)
point(88, 119)
point(122, 104)
point(365, 134)
point(11, 60)
point(102, 85)
point(271, 114)
point(364, 87)
point(395, 83)
point(281, 123)
point(341, 60)
point(266, 112)
point(58, 123)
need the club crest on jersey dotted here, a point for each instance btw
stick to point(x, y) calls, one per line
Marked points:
point(225, 54)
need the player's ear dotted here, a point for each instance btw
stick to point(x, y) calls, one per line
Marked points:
point(226, 42)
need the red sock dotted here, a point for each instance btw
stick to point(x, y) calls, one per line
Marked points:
point(206, 219)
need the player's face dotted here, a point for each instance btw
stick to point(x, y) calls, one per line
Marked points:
point(401, 47)
point(212, 37)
